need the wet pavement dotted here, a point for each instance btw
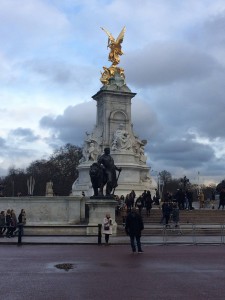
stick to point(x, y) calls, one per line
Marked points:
point(170, 238)
point(112, 272)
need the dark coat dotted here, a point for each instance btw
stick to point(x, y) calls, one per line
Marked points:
point(134, 224)
point(222, 197)
point(2, 220)
point(166, 209)
point(8, 220)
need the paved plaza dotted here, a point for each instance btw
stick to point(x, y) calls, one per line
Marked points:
point(112, 272)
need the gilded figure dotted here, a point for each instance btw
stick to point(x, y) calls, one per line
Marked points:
point(115, 46)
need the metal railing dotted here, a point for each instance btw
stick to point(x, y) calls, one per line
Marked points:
point(152, 234)
point(98, 235)
point(187, 234)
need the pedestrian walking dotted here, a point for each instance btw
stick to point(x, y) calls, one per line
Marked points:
point(134, 226)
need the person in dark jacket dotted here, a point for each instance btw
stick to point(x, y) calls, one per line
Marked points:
point(222, 199)
point(148, 203)
point(8, 220)
point(166, 210)
point(22, 221)
point(134, 226)
point(2, 223)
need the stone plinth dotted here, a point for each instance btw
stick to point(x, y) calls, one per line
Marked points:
point(58, 210)
point(98, 208)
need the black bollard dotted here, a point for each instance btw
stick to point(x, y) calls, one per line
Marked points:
point(20, 226)
point(99, 234)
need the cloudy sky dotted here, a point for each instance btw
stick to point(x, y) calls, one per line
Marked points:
point(51, 55)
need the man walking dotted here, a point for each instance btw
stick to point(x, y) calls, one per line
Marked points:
point(134, 226)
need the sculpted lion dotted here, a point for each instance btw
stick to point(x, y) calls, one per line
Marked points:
point(98, 178)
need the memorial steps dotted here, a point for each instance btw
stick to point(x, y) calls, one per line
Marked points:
point(197, 221)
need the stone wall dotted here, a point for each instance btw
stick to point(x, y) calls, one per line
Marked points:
point(47, 210)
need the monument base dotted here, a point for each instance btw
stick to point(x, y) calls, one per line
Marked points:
point(98, 208)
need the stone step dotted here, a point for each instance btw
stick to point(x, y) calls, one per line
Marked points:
point(208, 216)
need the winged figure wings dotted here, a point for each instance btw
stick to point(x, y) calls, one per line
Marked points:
point(115, 46)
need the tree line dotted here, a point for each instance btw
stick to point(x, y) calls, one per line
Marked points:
point(61, 169)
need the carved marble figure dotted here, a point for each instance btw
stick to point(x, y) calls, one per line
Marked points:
point(121, 139)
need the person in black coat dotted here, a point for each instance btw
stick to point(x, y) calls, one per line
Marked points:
point(166, 210)
point(222, 199)
point(134, 226)
point(148, 203)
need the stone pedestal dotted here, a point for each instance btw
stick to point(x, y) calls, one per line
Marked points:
point(98, 208)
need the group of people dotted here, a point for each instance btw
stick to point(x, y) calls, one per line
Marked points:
point(145, 200)
point(184, 199)
point(9, 222)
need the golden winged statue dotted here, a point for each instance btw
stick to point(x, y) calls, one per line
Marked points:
point(114, 56)
point(115, 46)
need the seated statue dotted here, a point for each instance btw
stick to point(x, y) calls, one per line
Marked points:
point(121, 140)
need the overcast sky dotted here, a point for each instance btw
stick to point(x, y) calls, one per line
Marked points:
point(51, 55)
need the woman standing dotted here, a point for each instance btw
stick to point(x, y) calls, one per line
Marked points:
point(107, 227)
point(22, 220)
point(13, 223)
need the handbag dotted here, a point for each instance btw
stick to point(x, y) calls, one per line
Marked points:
point(106, 227)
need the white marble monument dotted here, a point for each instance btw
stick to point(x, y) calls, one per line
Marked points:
point(114, 129)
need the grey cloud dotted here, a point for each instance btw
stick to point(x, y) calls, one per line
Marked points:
point(210, 32)
point(61, 73)
point(25, 134)
point(70, 127)
point(184, 153)
point(165, 63)
point(199, 106)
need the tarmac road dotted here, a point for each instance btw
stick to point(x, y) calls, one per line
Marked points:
point(173, 272)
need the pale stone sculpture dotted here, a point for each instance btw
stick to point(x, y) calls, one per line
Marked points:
point(49, 189)
point(122, 139)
